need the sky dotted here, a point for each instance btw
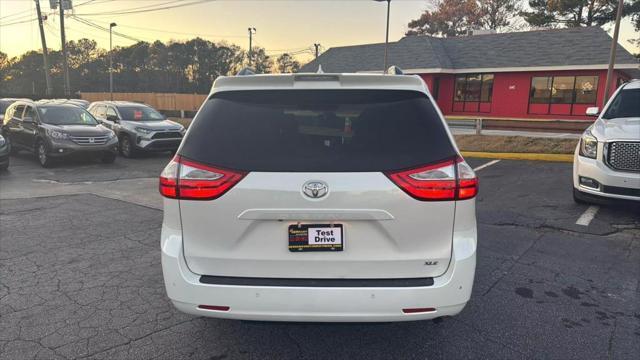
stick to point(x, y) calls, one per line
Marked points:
point(281, 26)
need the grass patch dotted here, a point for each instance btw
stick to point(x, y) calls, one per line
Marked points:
point(515, 144)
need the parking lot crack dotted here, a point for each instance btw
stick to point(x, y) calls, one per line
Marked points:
point(514, 262)
point(613, 332)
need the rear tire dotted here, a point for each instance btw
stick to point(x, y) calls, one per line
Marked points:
point(126, 147)
point(108, 158)
point(42, 154)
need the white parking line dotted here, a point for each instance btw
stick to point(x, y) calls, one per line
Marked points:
point(588, 215)
point(492, 162)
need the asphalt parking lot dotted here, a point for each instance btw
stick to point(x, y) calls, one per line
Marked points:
point(80, 276)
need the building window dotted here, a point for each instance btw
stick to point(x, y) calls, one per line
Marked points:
point(586, 89)
point(540, 90)
point(487, 88)
point(564, 90)
point(473, 88)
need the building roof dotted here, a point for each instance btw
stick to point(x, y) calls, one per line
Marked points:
point(584, 47)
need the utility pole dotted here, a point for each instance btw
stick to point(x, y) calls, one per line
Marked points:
point(317, 46)
point(612, 55)
point(111, 26)
point(252, 31)
point(45, 51)
point(65, 62)
point(386, 41)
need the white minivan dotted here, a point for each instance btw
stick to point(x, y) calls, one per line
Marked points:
point(319, 197)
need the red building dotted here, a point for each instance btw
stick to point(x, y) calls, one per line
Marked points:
point(545, 74)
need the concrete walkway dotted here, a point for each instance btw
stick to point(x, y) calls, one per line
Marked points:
point(537, 134)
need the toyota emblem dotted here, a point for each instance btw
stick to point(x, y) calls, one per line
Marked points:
point(315, 189)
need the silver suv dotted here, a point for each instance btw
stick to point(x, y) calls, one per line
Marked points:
point(319, 197)
point(139, 127)
point(54, 130)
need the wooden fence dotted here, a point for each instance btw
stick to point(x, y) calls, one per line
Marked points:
point(160, 101)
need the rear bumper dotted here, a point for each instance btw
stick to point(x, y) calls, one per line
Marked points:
point(448, 294)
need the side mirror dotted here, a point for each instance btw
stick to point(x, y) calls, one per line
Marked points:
point(593, 111)
point(27, 119)
point(112, 118)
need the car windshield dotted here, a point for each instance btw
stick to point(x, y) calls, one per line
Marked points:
point(139, 113)
point(625, 105)
point(65, 115)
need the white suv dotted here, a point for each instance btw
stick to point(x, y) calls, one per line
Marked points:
point(319, 197)
point(607, 160)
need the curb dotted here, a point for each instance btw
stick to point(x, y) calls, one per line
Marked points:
point(520, 156)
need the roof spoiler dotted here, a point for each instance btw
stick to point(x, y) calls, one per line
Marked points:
point(394, 70)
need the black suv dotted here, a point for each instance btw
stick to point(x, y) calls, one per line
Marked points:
point(53, 130)
point(139, 127)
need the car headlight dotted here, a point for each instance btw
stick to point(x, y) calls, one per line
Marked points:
point(144, 131)
point(111, 135)
point(57, 134)
point(2, 140)
point(588, 145)
point(183, 131)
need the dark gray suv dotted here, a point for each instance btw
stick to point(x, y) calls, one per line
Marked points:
point(53, 130)
point(139, 127)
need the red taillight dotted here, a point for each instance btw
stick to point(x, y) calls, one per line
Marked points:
point(214, 307)
point(418, 310)
point(448, 180)
point(189, 180)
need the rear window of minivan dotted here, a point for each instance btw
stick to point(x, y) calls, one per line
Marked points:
point(317, 131)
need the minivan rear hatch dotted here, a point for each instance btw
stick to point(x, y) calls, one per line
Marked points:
point(343, 144)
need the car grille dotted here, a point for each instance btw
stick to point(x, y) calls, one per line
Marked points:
point(167, 135)
point(624, 156)
point(90, 140)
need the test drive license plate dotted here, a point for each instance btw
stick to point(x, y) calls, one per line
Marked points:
point(314, 237)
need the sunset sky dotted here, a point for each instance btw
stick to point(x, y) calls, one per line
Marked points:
point(282, 26)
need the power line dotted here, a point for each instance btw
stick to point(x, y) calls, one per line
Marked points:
point(174, 32)
point(19, 22)
point(14, 14)
point(148, 8)
point(96, 26)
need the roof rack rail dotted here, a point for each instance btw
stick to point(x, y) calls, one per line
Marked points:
point(246, 71)
point(320, 71)
point(394, 70)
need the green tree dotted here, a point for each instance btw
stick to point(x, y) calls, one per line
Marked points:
point(458, 17)
point(189, 66)
point(498, 14)
point(572, 13)
point(261, 62)
point(4, 67)
point(286, 63)
point(448, 18)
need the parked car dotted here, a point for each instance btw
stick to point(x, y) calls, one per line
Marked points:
point(139, 127)
point(77, 102)
point(52, 130)
point(319, 197)
point(4, 153)
point(607, 160)
point(4, 104)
